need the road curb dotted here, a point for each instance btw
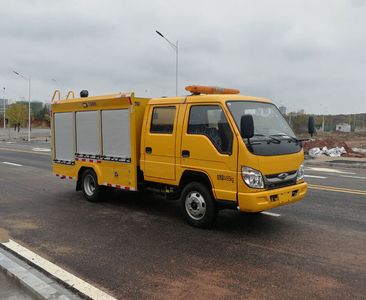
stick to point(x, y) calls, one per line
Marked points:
point(79, 287)
point(339, 165)
point(25, 151)
point(24, 276)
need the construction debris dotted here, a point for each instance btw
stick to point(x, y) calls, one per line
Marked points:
point(330, 147)
point(333, 152)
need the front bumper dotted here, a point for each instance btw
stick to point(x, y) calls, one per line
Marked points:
point(255, 202)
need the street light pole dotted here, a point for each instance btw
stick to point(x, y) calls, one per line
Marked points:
point(29, 110)
point(175, 47)
point(4, 106)
point(29, 102)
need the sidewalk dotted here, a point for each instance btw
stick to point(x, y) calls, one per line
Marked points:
point(9, 134)
point(9, 290)
point(20, 280)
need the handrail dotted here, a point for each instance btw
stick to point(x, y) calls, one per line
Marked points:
point(56, 92)
point(68, 94)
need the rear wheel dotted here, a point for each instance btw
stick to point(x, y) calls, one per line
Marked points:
point(197, 205)
point(89, 185)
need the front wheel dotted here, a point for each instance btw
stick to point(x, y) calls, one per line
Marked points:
point(197, 205)
point(89, 185)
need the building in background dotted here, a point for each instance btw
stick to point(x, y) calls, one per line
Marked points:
point(282, 110)
point(343, 127)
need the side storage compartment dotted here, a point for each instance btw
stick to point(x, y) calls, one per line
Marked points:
point(116, 133)
point(119, 169)
point(64, 137)
point(63, 145)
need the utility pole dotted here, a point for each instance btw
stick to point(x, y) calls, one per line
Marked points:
point(29, 102)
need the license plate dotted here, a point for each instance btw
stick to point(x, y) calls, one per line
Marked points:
point(284, 197)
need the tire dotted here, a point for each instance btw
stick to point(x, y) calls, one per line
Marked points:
point(197, 205)
point(89, 185)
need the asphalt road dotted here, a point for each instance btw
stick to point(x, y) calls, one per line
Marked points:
point(136, 247)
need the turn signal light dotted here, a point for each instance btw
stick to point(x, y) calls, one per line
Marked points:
point(200, 89)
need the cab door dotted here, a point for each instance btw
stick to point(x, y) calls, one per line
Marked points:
point(160, 140)
point(209, 145)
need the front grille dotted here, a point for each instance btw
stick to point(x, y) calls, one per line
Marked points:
point(280, 184)
point(272, 181)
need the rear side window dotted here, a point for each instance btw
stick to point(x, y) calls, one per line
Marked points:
point(162, 120)
point(210, 121)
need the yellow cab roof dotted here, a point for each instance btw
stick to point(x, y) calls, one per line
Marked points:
point(206, 98)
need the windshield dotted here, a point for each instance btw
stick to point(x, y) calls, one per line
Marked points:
point(268, 121)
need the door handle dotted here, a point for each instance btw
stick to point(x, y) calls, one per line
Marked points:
point(148, 150)
point(185, 153)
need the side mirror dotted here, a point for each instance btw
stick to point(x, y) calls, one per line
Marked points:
point(311, 128)
point(246, 126)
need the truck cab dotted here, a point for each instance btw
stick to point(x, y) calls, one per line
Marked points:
point(196, 144)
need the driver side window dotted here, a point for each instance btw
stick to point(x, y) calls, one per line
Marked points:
point(210, 121)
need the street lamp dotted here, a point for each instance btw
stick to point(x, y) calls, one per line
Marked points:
point(4, 106)
point(175, 47)
point(29, 102)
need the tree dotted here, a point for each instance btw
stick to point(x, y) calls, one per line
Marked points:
point(36, 109)
point(17, 113)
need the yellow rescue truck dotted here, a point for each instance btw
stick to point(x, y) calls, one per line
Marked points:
point(211, 149)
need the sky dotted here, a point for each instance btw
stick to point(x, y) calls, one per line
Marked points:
point(303, 54)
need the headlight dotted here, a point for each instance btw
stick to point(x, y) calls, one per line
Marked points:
point(252, 178)
point(300, 172)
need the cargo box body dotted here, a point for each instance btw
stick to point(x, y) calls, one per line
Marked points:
point(102, 133)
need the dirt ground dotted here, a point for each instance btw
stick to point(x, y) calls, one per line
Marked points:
point(349, 141)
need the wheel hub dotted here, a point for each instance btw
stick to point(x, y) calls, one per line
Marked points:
point(195, 205)
point(89, 185)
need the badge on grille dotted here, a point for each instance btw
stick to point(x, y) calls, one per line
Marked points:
point(282, 175)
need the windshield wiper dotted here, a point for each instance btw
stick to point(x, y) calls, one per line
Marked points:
point(291, 138)
point(269, 137)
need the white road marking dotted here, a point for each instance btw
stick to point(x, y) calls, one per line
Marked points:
point(328, 170)
point(69, 279)
point(41, 149)
point(350, 176)
point(12, 164)
point(315, 176)
point(270, 214)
